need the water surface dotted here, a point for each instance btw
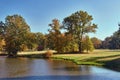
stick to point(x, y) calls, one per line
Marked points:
point(41, 69)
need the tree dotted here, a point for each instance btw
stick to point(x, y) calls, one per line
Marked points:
point(87, 44)
point(2, 44)
point(78, 24)
point(31, 41)
point(96, 42)
point(115, 41)
point(112, 42)
point(69, 44)
point(15, 33)
point(34, 41)
point(40, 41)
point(106, 43)
point(57, 40)
point(55, 35)
point(2, 30)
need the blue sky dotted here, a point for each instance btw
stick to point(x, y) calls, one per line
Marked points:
point(39, 13)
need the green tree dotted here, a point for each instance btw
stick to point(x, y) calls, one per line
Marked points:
point(78, 24)
point(114, 43)
point(106, 43)
point(87, 44)
point(69, 43)
point(15, 33)
point(31, 41)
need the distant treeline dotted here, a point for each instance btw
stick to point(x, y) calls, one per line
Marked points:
point(112, 42)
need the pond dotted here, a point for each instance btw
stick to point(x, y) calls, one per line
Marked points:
point(42, 69)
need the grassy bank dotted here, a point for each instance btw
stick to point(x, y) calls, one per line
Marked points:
point(106, 58)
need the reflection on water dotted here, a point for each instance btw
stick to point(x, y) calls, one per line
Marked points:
point(29, 69)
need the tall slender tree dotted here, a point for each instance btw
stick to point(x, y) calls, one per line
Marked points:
point(54, 35)
point(57, 40)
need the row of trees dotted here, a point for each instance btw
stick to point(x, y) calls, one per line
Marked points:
point(75, 38)
point(112, 42)
point(15, 34)
point(68, 41)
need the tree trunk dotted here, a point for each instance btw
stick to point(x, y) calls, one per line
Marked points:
point(12, 54)
point(80, 47)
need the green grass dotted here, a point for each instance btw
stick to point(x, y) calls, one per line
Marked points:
point(107, 58)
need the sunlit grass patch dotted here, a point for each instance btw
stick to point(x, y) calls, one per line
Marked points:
point(98, 57)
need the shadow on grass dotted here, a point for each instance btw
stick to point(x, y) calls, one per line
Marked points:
point(111, 64)
point(82, 77)
point(97, 58)
point(114, 50)
point(114, 64)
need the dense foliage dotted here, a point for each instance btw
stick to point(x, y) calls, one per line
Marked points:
point(112, 42)
point(96, 42)
point(79, 24)
point(15, 35)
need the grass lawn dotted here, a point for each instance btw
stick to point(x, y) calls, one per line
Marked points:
point(107, 58)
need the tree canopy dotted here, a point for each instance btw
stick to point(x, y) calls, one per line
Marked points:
point(15, 33)
point(78, 24)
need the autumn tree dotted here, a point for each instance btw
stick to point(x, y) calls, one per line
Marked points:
point(2, 30)
point(2, 44)
point(55, 35)
point(61, 42)
point(40, 41)
point(15, 33)
point(96, 42)
point(78, 24)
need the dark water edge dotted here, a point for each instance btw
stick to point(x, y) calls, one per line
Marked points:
point(83, 77)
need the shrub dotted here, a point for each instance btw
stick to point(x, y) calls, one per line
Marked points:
point(40, 48)
point(48, 54)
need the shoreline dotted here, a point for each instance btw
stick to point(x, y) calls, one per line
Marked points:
point(108, 64)
point(103, 58)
